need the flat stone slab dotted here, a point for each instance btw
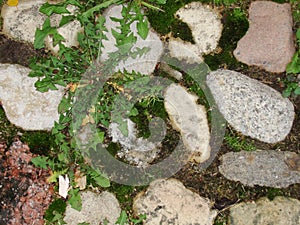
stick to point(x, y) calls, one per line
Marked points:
point(280, 211)
point(169, 202)
point(251, 107)
point(269, 41)
point(190, 120)
point(144, 64)
point(96, 209)
point(24, 106)
point(20, 22)
point(262, 167)
point(206, 28)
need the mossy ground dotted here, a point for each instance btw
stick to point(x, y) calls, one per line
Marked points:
point(209, 183)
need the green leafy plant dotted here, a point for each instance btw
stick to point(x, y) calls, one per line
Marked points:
point(237, 143)
point(292, 69)
point(65, 69)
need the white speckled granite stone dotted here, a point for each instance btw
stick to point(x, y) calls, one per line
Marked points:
point(251, 107)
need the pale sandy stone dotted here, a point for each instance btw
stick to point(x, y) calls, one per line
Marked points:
point(25, 106)
point(96, 209)
point(190, 120)
point(169, 202)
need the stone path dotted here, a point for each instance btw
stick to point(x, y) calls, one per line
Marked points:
point(250, 107)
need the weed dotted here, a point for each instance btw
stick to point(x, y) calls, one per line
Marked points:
point(237, 143)
point(66, 69)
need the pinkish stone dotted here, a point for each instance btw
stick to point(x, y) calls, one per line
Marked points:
point(269, 41)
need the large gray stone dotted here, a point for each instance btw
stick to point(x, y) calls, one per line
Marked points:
point(25, 106)
point(265, 168)
point(251, 107)
point(21, 22)
point(169, 202)
point(269, 41)
point(190, 120)
point(280, 211)
point(144, 64)
point(206, 28)
point(96, 209)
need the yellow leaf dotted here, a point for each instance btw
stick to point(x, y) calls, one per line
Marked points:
point(12, 2)
point(88, 119)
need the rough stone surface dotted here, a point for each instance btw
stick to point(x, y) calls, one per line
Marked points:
point(280, 211)
point(138, 151)
point(144, 64)
point(265, 168)
point(25, 106)
point(269, 41)
point(169, 202)
point(206, 28)
point(251, 107)
point(21, 22)
point(190, 120)
point(96, 209)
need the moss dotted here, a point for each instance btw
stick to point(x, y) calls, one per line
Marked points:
point(165, 23)
point(7, 130)
point(235, 25)
point(39, 142)
point(125, 194)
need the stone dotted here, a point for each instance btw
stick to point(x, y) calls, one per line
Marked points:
point(206, 28)
point(280, 211)
point(262, 167)
point(169, 202)
point(136, 150)
point(144, 64)
point(96, 209)
point(21, 22)
point(269, 41)
point(190, 120)
point(251, 107)
point(24, 106)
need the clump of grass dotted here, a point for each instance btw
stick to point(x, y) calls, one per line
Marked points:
point(237, 143)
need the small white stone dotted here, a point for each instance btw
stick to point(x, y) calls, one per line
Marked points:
point(190, 120)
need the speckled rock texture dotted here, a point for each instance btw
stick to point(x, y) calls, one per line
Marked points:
point(96, 209)
point(190, 120)
point(169, 202)
point(269, 41)
point(280, 211)
point(144, 64)
point(262, 167)
point(206, 28)
point(21, 22)
point(136, 150)
point(251, 107)
point(24, 106)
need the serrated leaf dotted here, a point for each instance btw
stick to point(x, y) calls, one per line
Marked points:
point(40, 161)
point(49, 9)
point(298, 34)
point(65, 20)
point(75, 199)
point(122, 220)
point(143, 29)
point(64, 105)
point(297, 91)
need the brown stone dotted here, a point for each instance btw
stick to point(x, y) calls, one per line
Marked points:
point(269, 41)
